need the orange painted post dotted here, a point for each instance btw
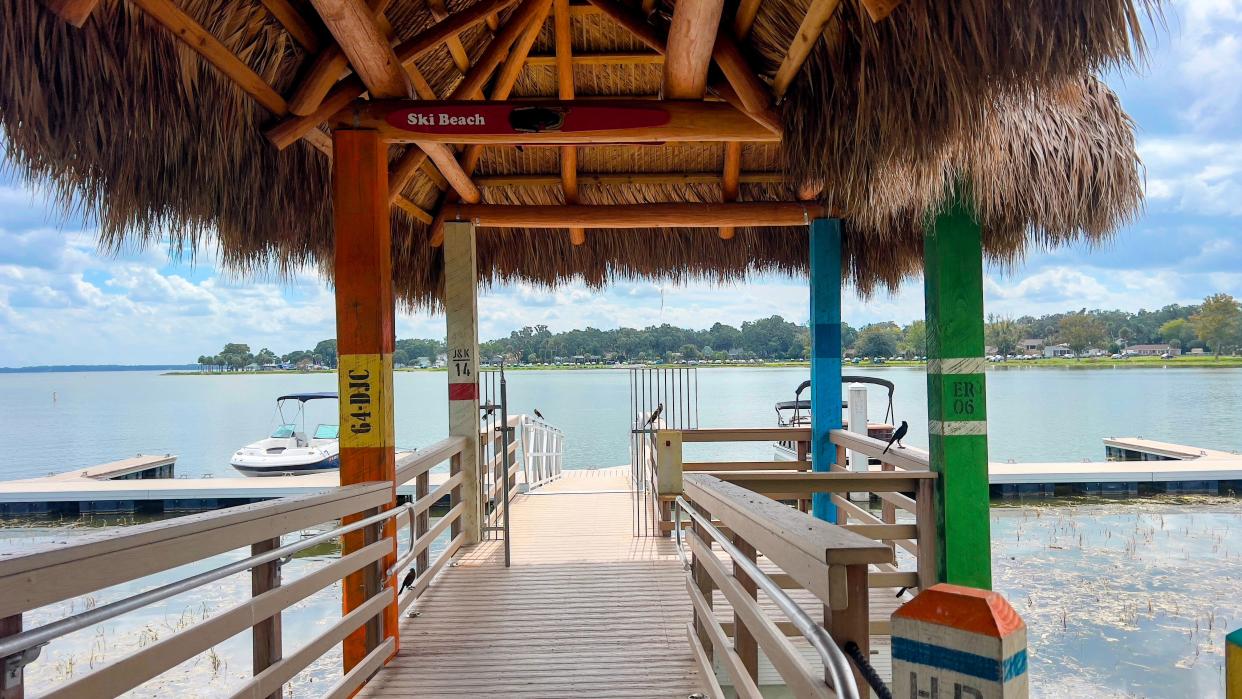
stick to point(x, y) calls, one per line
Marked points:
point(362, 263)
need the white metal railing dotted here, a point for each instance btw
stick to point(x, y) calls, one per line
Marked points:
point(542, 451)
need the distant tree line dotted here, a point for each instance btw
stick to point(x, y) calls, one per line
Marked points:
point(1215, 325)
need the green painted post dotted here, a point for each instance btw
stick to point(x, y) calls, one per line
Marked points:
point(956, 404)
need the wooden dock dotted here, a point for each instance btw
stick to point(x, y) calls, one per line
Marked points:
point(586, 609)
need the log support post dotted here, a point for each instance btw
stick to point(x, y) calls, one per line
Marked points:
point(265, 635)
point(462, 320)
point(956, 406)
point(365, 334)
point(825, 353)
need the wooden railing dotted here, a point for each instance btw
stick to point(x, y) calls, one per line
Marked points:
point(798, 552)
point(904, 522)
point(45, 577)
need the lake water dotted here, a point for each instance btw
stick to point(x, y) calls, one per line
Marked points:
point(1033, 414)
point(1142, 596)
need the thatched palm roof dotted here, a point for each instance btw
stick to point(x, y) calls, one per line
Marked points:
point(881, 119)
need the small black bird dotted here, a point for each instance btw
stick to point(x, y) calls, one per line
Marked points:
point(490, 409)
point(538, 414)
point(408, 581)
point(897, 435)
point(655, 415)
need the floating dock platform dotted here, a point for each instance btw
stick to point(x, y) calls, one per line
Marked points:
point(1134, 466)
point(147, 484)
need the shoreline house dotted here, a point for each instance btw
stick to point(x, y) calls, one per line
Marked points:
point(1057, 351)
point(1154, 350)
point(1031, 345)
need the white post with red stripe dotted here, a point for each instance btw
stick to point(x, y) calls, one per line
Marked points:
point(954, 642)
point(461, 309)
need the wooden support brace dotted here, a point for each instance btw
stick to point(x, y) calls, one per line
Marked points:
point(288, 131)
point(352, 23)
point(292, 20)
point(809, 32)
point(74, 12)
point(680, 215)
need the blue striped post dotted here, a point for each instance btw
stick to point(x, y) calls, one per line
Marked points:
point(825, 353)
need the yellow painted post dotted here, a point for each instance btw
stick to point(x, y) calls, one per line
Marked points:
point(461, 307)
point(1233, 665)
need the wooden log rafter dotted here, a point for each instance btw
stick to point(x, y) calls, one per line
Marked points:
point(353, 24)
point(501, 87)
point(632, 178)
point(600, 59)
point(327, 67)
point(672, 215)
point(809, 32)
point(750, 89)
point(647, 34)
point(471, 87)
point(456, 49)
point(691, 38)
point(730, 180)
point(295, 23)
point(563, 40)
point(287, 131)
point(185, 29)
point(74, 12)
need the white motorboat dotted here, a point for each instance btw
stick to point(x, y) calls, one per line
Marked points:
point(797, 413)
point(289, 451)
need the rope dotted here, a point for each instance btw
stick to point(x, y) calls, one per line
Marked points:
point(873, 678)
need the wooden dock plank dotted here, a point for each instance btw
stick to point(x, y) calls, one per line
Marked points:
point(586, 609)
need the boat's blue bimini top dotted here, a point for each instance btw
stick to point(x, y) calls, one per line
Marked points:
point(303, 397)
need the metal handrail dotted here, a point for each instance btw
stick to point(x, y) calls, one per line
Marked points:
point(835, 663)
point(37, 637)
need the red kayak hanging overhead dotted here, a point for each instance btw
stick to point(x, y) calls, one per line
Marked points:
point(507, 118)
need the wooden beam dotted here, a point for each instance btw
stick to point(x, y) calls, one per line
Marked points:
point(524, 20)
point(687, 121)
point(691, 37)
point(745, 18)
point(879, 9)
point(638, 178)
point(809, 32)
point(565, 89)
point(456, 49)
point(730, 180)
point(74, 12)
point(645, 33)
point(446, 161)
point(292, 20)
point(329, 66)
point(288, 131)
point(744, 79)
point(193, 35)
point(505, 80)
point(634, 23)
point(679, 215)
point(601, 59)
point(352, 23)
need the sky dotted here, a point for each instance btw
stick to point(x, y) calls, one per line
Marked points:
point(64, 302)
